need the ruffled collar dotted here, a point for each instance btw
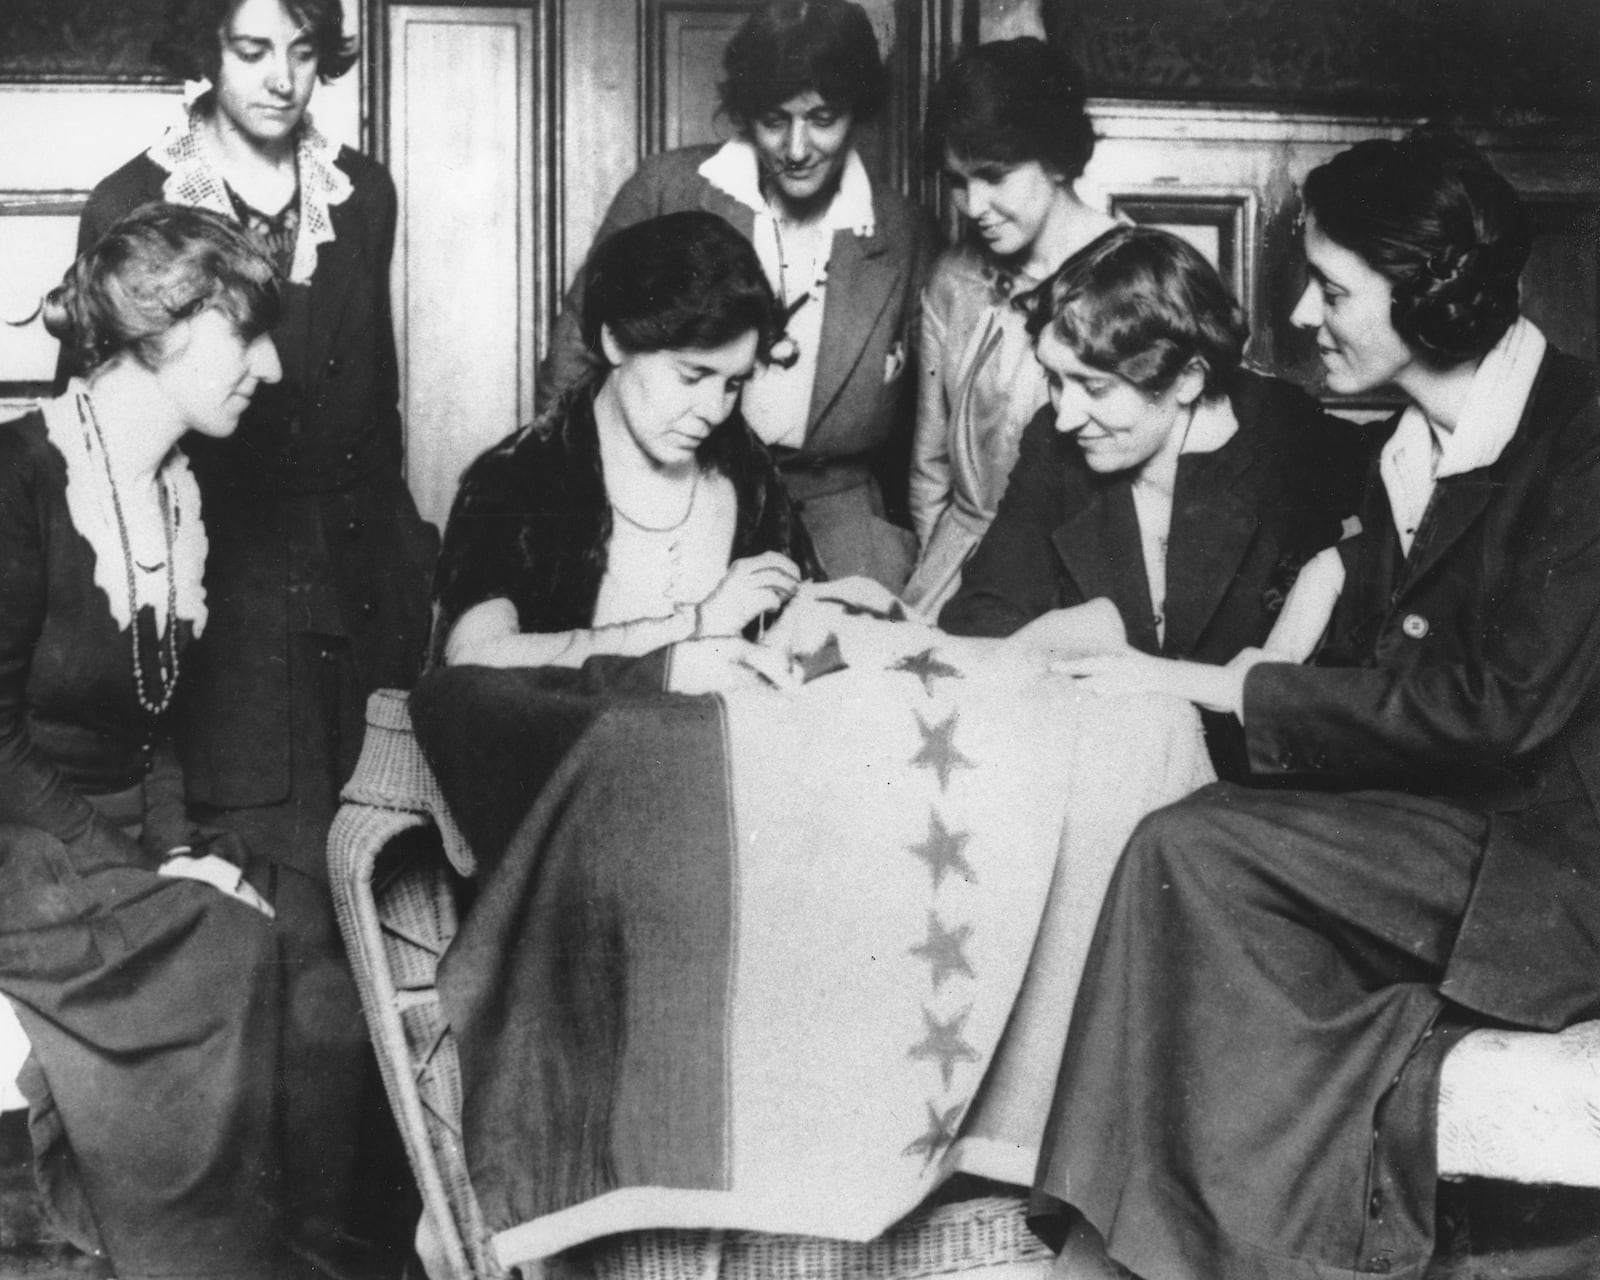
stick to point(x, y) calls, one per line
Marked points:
point(734, 170)
point(193, 180)
point(93, 513)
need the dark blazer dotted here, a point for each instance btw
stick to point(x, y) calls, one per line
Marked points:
point(306, 499)
point(1470, 671)
point(1244, 519)
point(860, 421)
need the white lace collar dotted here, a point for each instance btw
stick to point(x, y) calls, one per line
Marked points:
point(93, 514)
point(734, 170)
point(193, 180)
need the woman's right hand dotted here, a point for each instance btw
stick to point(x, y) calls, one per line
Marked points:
point(751, 587)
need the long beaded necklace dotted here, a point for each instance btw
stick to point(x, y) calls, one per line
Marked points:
point(166, 662)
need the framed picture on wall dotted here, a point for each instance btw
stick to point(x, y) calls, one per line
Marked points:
point(80, 41)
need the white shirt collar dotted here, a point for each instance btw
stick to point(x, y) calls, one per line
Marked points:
point(1493, 408)
point(1213, 426)
point(734, 170)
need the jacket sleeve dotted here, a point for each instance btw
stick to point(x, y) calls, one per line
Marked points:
point(930, 449)
point(1502, 690)
point(1014, 576)
point(32, 789)
point(568, 358)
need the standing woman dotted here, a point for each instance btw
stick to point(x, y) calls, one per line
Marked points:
point(1007, 123)
point(845, 256)
point(1251, 1080)
point(141, 960)
point(319, 567)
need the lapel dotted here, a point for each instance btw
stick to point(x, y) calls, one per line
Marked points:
point(861, 278)
point(1458, 502)
point(1099, 548)
point(340, 270)
point(1215, 514)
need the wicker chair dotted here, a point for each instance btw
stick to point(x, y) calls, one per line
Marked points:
point(1519, 1106)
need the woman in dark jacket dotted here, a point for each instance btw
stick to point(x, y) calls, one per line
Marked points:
point(640, 512)
point(1162, 477)
point(1251, 1080)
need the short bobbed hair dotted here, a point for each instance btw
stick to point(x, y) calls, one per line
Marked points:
point(790, 47)
point(1142, 303)
point(1449, 233)
point(682, 281)
point(1009, 102)
point(157, 266)
point(190, 45)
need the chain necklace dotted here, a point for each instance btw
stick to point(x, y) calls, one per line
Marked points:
point(694, 489)
point(166, 662)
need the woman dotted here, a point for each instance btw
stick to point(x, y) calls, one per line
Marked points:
point(1258, 1092)
point(845, 256)
point(319, 567)
point(607, 528)
point(1007, 123)
point(143, 964)
point(1162, 476)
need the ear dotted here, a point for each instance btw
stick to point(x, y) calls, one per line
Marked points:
point(610, 347)
point(1191, 382)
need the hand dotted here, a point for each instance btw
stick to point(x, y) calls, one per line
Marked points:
point(1121, 675)
point(220, 874)
point(723, 664)
point(751, 587)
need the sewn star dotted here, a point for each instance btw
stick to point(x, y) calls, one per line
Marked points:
point(943, 1044)
point(927, 668)
point(943, 949)
point(942, 851)
point(938, 751)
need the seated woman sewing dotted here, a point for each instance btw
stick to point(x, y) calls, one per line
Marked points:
point(1163, 476)
point(639, 512)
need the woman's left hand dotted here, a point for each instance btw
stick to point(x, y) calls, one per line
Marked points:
point(1129, 674)
point(220, 874)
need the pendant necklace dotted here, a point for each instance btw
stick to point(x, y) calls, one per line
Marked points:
point(785, 351)
point(167, 661)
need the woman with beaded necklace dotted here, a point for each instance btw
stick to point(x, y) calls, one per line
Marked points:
point(136, 945)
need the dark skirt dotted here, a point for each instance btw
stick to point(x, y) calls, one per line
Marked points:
point(153, 1007)
point(1250, 1084)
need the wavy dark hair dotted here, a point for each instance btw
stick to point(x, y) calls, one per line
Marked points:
point(155, 267)
point(190, 44)
point(1434, 218)
point(681, 281)
point(790, 47)
point(1011, 101)
point(1142, 303)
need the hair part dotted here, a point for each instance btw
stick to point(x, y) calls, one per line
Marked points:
point(190, 45)
point(1143, 304)
point(155, 267)
point(1009, 102)
point(790, 47)
point(682, 281)
point(1433, 217)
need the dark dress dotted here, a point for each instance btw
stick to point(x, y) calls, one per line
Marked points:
point(1245, 517)
point(153, 1004)
point(1250, 1084)
point(317, 583)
